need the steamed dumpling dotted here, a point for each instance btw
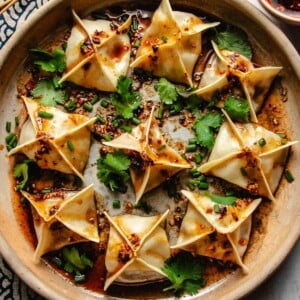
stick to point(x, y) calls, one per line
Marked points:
point(45, 140)
point(96, 54)
point(238, 157)
point(255, 82)
point(171, 44)
point(63, 218)
point(160, 161)
point(132, 252)
point(199, 237)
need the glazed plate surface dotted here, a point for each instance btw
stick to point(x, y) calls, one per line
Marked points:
point(282, 230)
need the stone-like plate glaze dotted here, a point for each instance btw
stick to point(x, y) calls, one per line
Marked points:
point(284, 218)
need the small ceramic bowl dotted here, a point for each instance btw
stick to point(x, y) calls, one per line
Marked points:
point(286, 14)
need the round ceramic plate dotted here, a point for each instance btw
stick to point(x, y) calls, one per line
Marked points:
point(282, 228)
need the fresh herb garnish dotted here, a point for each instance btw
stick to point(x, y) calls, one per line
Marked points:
point(45, 114)
point(205, 127)
point(47, 94)
point(288, 176)
point(237, 108)
point(223, 200)
point(167, 91)
point(21, 172)
point(73, 262)
point(126, 100)
point(113, 171)
point(11, 141)
point(50, 62)
point(185, 272)
point(144, 206)
point(235, 40)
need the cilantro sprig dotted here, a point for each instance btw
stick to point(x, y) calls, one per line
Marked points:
point(113, 171)
point(235, 40)
point(167, 91)
point(237, 108)
point(73, 262)
point(47, 93)
point(185, 272)
point(205, 127)
point(21, 172)
point(50, 62)
point(126, 100)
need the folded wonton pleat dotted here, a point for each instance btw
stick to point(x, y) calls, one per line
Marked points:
point(171, 44)
point(200, 237)
point(46, 140)
point(161, 161)
point(239, 158)
point(132, 252)
point(64, 218)
point(96, 54)
point(255, 82)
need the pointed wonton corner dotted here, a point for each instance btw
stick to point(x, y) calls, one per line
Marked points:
point(171, 44)
point(132, 247)
point(161, 161)
point(45, 140)
point(96, 54)
point(238, 157)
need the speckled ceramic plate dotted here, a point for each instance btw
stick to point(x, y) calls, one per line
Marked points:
point(282, 229)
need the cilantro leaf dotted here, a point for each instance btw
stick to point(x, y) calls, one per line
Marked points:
point(185, 273)
point(113, 171)
point(51, 62)
point(49, 96)
point(235, 40)
point(167, 91)
point(237, 108)
point(126, 100)
point(75, 260)
point(224, 200)
point(205, 127)
point(21, 172)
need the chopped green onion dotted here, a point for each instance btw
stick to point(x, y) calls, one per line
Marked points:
point(243, 171)
point(95, 99)
point(194, 172)
point(23, 199)
point(198, 158)
point(126, 128)
point(104, 103)
point(162, 147)
point(135, 24)
point(107, 137)
point(46, 190)
point(193, 141)
point(70, 145)
point(202, 185)
point(45, 115)
point(288, 176)
point(116, 203)
point(282, 135)
point(191, 148)
point(216, 208)
point(136, 43)
point(100, 119)
point(164, 39)
point(17, 121)
point(262, 142)
point(283, 142)
point(71, 106)
point(115, 123)
point(191, 185)
point(11, 141)
point(135, 121)
point(160, 113)
point(88, 106)
point(8, 127)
